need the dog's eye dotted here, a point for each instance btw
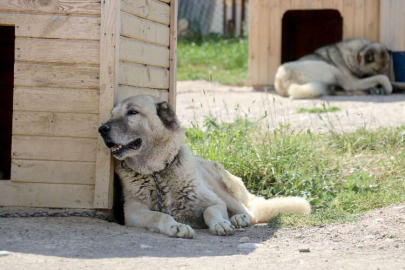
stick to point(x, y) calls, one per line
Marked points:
point(132, 112)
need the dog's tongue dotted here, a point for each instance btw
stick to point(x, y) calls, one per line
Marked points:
point(116, 147)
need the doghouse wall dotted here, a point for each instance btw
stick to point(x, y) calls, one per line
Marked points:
point(73, 60)
point(392, 24)
point(56, 102)
point(144, 54)
point(360, 19)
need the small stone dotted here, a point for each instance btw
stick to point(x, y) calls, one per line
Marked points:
point(396, 246)
point(379, 219)
point(249, 245)
point(4, 253)
point(145, 246)
point(244, 239)
point(360, 246)
point(304, 249)
point(370, 237)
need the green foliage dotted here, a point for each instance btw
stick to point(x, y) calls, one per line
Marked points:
point(213, 59)
point(318, 110)
point(340, 174)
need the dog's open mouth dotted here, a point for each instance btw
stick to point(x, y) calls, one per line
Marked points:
point(118, 148)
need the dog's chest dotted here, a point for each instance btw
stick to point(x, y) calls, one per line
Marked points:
point(178, 198)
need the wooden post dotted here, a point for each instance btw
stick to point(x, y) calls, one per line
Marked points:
point(233, 18)
point(173, 53)
point(224, 18)
point(243, 18)
point(109, 48)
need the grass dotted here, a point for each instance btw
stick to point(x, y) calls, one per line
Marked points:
point(324, 109)
point(342, 175)
point(213, 59)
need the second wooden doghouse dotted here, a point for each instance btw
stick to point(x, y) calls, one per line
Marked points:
point(64, 64)
point(285, 30)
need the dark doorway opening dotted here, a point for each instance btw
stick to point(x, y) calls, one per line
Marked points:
point(7, 46)
point(304, 31)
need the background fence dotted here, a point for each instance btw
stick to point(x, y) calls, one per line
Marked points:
point(224, 17)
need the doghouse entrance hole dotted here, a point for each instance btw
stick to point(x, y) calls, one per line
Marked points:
point(304, 31)
point(7, 45)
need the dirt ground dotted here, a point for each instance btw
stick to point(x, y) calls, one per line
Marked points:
point(375, 241)
point(199, 98)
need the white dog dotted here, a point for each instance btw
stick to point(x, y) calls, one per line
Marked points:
point(352, 65)
point(166, 188)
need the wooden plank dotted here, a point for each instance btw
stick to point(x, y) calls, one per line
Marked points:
point(143, 76)
point(270, 41)
point(144, 30)
point(55, 124)
point(51, 75)
point(56, 100)
point(392, 20)
point(53, 148)
point(143, 53)
point(58, 7)
point(60, 51)
point(109, 60)
point(129, 91)
point(254, 34)
point(348, 19)
point(173, 54)
point(53, 26)
point(152, 10)
point(359, 7)
point(372, 20)
point(58, 172)
point(46, 195)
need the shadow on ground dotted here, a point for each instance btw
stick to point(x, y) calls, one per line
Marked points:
point(76, 237)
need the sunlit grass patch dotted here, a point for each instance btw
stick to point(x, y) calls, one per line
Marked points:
point(212, 58)
point(341, 174)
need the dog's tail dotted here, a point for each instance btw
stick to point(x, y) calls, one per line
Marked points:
point(263, 210)
point(308, 90)
point(258, 208)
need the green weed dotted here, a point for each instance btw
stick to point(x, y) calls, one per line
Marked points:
point(318, 110)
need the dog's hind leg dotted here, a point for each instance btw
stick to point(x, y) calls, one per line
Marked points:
point(307, 90)
point(216, 217)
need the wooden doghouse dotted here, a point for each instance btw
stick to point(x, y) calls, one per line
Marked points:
point(285, 30)
point(63, 65)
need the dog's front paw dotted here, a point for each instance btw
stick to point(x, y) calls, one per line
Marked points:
point(181, 231)
point(240, 221)
point(222, 228)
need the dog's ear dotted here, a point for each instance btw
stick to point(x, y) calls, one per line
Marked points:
point(369, 56)
point(167, 115)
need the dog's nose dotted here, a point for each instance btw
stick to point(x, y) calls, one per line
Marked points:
point(103, 129)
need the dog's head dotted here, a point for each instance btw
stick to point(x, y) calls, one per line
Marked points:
point(374, 59)
point(142, 129)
